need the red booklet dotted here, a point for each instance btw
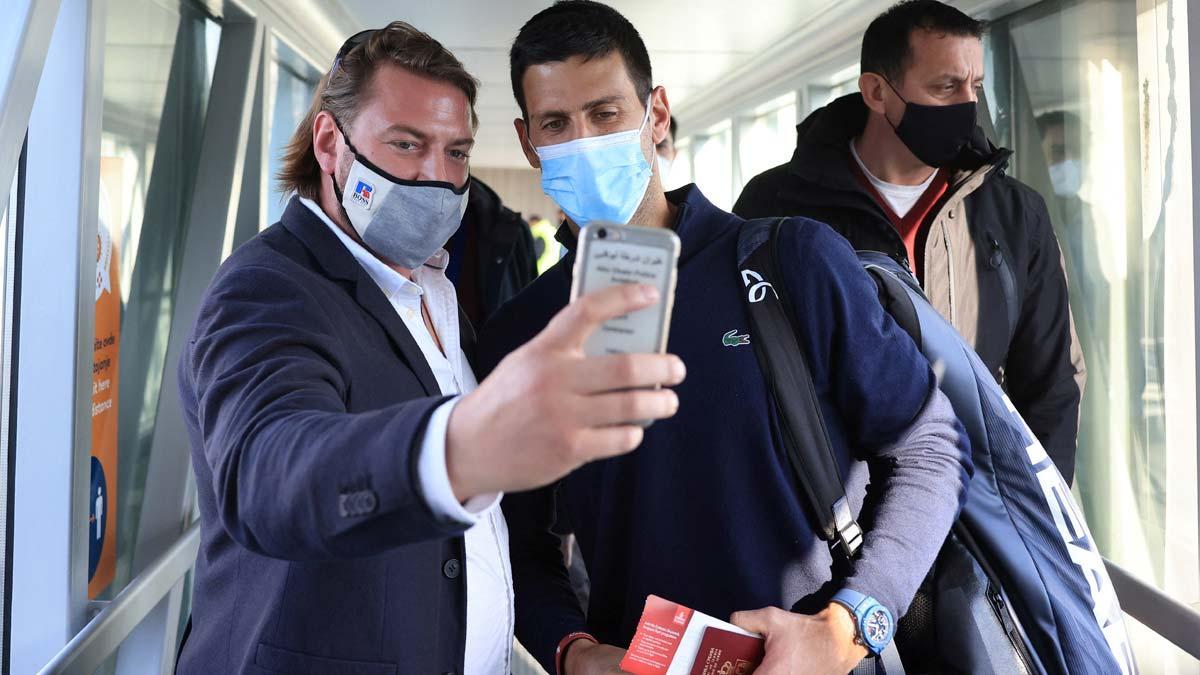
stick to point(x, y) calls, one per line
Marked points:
point(725, 653)
point(675, 640)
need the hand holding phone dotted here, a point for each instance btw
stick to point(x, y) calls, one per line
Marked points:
point(548, 408)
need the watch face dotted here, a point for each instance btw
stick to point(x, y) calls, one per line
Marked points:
point(877, 626)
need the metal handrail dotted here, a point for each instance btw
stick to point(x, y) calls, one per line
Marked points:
point(1174, 621)
point(103, 635)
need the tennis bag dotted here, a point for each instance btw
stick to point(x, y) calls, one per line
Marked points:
point(1018, 586)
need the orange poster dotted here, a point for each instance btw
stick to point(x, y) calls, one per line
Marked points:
point(102, 498)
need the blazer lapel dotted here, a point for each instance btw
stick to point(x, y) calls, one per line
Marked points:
point(338, 263)
point(372, 299)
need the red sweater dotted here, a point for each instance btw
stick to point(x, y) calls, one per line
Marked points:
point(915, 222)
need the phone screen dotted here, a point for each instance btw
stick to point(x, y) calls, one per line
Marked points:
point(617, 262)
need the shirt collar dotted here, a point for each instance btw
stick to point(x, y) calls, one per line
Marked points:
point(393, 284)
point(697, 222)
point(878, 182)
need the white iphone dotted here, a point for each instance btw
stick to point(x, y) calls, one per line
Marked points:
point(625, 254)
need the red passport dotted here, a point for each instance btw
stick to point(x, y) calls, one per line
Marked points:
point(725, 653)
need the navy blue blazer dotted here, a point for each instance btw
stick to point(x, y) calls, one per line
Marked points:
point(305, 399)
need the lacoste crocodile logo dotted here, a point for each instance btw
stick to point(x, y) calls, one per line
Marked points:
point(732, 339)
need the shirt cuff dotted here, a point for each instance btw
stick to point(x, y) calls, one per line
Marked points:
point(435, 480)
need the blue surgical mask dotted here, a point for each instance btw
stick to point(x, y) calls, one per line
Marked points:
point(597, 178)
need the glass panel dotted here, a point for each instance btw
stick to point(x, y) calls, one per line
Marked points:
point(295, 82)
point(713, 167)
point(158, 67)
point(5, 252)
point(844, 81)
point(1093, 97)
point(681, 168)
point(768, 138)
point(8, 211)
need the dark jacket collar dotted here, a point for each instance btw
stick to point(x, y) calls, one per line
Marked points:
point(822, 153)
point(697, 222)
point(488, 216)
point(338, 263)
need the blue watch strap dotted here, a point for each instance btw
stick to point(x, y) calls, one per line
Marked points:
point(874, 625)
point(851, 599)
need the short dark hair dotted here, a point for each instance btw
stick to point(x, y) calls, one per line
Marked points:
point(886, 46)
point(1058, 118)
point(578, 28)
point(674, 128)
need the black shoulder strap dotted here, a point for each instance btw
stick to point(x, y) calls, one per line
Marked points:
point(786, 370)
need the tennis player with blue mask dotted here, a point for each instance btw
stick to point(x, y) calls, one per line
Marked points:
point(598, 177)
point(705, 512)
point(595, 164)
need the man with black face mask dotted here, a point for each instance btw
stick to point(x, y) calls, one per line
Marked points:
point(902, 168)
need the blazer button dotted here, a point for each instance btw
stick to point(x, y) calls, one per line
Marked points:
point(452, 568)
point(351, 504)
point(369, 501)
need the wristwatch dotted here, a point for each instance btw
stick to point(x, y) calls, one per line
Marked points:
point(873, 624)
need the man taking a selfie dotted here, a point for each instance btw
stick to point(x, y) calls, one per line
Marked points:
point(348, 464)
point(706, 512)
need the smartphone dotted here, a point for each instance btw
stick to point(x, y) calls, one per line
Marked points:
point(610, 254)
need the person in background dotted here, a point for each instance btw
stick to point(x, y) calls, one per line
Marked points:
point(707, 512)
point(1061, 133)
point(664, 152)
point(902, 167)
point(349, 467)
point(491, 255)
point(547, 249)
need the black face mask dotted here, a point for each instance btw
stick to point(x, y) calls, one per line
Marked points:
point(935, 134)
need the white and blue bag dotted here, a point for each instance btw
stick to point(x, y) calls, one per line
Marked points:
point(1019, 586)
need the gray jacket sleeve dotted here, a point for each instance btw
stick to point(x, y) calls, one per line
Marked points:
point(917, 489)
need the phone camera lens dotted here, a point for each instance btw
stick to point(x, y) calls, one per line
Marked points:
point(601, 233)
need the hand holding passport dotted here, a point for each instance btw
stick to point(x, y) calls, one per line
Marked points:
point(674, 640)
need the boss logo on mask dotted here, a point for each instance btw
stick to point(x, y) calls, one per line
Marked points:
point(362, 194)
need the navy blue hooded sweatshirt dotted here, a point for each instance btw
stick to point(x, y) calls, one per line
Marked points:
point(706, 511)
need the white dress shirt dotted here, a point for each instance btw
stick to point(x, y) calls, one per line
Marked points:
point(900, 198)
point(490, 615)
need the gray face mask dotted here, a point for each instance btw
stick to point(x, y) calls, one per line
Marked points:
point(405, 221)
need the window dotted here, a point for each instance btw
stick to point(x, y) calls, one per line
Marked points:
point(295, 82)
point(1093, 97)
point(844, 81)
point(158, 68)
point(8, 240)
point(8, 212)
point(711, 165)
point(681, 168)
point(767, 137)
